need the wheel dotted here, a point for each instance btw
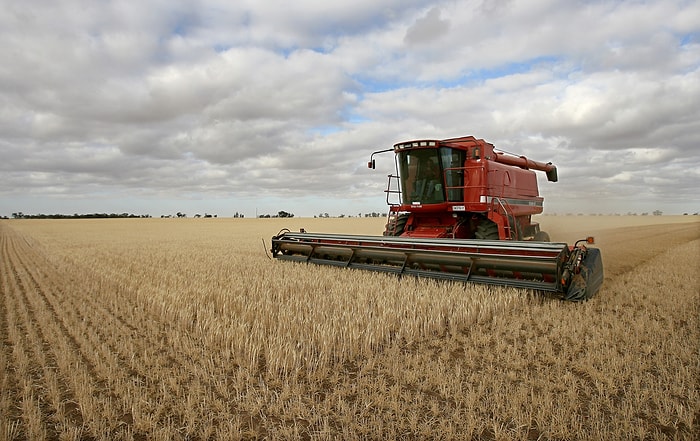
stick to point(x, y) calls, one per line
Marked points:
point(587, 282)
point(396, 225)
point(541, 236)
point(487, 230)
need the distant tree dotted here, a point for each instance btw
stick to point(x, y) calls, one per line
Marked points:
point(21, 215)
point(658, 212)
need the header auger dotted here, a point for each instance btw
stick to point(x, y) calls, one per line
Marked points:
point(459, 210)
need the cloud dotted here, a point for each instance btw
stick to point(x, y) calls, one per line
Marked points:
point(427, 29)
point(216, 100)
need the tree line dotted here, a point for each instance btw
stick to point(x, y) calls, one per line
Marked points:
point(373, 214)
point(280, 213)
point(20, 215)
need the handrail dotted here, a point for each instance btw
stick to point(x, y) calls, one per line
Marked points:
point(505, 206)
point(389, 191)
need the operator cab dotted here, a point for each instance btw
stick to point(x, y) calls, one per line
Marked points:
point(430, 173)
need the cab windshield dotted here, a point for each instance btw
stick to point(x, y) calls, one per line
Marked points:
point(429, 175)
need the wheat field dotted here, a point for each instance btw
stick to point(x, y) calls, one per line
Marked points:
point(141, 329)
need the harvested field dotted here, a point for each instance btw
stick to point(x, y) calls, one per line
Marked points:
point(184, 329)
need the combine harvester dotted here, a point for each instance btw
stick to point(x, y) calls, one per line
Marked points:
point(459, 210)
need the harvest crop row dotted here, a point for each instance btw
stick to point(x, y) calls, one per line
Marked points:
point(133, 329)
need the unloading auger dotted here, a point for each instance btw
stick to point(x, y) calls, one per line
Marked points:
point(458, 210)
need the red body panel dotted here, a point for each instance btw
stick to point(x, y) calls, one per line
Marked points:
point(476, 184)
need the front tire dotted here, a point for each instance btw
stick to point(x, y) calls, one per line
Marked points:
point(396, 225)
point(541, 236)
point(487, 230)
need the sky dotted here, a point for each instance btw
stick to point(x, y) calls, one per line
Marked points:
point(255, 106)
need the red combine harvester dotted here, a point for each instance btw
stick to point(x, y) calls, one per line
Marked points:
point(459, 210)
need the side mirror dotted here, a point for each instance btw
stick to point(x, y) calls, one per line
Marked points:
point(371, 164)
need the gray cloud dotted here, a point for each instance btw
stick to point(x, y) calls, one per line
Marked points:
point(427, 29)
